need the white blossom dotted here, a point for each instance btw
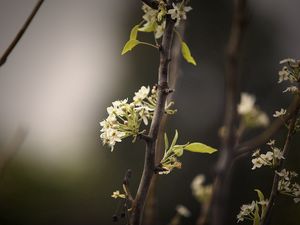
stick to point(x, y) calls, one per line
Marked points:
point(278, 154)
point(271, 142)
point(160, 29)
point(257, 163)
point(280, 113)
point(247, 104)
point(178, 12)
point(183, 211)
point(246, 211)
point(201, 191)
point(292, 89)
point(141, 94)
point(283, 74)
point(117, 194)
point(287, 186)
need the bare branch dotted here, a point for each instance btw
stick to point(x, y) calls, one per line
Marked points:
point(13, 44)
point(220, 195)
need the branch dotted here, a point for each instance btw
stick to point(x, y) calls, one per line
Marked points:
point(269, 132)
point(274, 191)
point(224, 164)
point(20, 33)
point(149, 164)
point(150, 214)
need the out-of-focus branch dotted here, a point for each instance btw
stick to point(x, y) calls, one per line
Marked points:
point(248, 146)
point(220, 195)
point(162, 93)
point(12, 148)
point(20, 33)
point(274, 192)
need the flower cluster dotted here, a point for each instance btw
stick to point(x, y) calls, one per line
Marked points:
point(201, 191)
point(251, 115)
point(125, 119)
point(270, 158)
point(155, 18)
point(254, 211)
point(286, 186)
point(290, 72)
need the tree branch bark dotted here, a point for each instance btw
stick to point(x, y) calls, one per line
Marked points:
point(20, 34)
point(149, 164)
point(219, 201)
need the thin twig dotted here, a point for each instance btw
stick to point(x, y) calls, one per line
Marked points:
point(220, 195)
point(274, 192)
point(149, 164)
point(19, 35)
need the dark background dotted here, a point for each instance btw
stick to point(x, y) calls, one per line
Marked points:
point(67, 69)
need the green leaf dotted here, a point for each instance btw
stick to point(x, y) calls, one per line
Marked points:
point(256, 220)
point(148, 27)
point(178, 150)
point(166, 142)
point(186, 53)
point(174, 139)
point(260, 195)
point(134, 32)
point(129, 46)
point(261, 198)
point(199, 148)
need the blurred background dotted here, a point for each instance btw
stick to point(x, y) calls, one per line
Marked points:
point(67, 69)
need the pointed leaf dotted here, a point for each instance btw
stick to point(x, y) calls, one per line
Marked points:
point(174, 139)
point(129, 46)
point(134, 32)
point(166, 142)
point(148, 27)
point(260, 195)
point(261, 199)
point(199, 148)
point(256, 220)
point(186, 53)
point(178, 150)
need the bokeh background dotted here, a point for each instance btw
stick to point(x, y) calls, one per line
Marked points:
point(67, 69)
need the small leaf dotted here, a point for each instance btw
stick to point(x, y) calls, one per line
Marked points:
point(148, 27)
point(166, 142)
point(134, 32)
point(178, 150)
point(256, 220)
point(174, 139)
point(129, 46)
point(199, 148)
point(186, 53)
point(261, 199)
point(260, 195)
